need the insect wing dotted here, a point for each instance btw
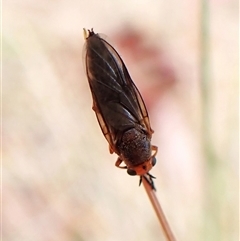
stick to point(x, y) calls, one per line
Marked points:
point(116, 100)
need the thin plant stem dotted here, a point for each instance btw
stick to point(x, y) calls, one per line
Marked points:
point(212, 225)
point(158, 210)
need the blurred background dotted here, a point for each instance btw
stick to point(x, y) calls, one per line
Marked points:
point(59, 179)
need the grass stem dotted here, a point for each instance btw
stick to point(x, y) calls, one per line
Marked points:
point(158, 210)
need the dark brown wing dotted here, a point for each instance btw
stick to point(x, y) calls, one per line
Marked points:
point(116, 100)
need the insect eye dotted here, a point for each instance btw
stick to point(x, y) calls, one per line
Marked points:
point(154, 160)
point(131, 172)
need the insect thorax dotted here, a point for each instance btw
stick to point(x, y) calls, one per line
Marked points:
point(134, 147)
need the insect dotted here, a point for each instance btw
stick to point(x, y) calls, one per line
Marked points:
point(119, 107)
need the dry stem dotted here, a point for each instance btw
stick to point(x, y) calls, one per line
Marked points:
point(157, 207)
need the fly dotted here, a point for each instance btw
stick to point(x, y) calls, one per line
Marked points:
point(119, 107)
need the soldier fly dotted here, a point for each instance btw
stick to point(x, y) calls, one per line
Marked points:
point(119, 107)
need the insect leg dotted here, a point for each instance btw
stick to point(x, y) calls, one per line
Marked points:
point(155, 149)
point(118, 163)
point(110, 148)
point(149, 178)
